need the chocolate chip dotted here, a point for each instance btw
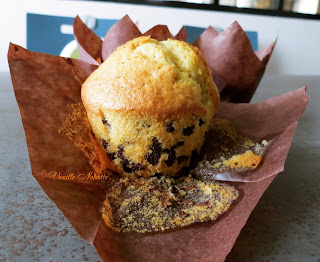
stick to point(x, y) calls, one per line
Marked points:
point(121, 156)
point(171, 156)
point(155, 154)
point(194, 157)
point(136, 167)
point(188, 130)
point(104, 143)
point(201, 122)
point(158, 175)
point(111, 156)
point(16, 48)
point(126, 165)
point(105, 122)
point(126, 168)
point(182, 159)
point(171, 153)
point(179, 144)
point(170, 128)
point(175, 190)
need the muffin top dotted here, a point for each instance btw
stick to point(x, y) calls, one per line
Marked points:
point(152, 78)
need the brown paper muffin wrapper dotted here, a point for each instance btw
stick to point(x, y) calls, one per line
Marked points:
point(46, 86)
point(236, 68)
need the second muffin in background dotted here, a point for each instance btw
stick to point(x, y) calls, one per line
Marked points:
point(150, 104)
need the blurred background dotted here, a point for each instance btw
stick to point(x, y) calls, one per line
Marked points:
point(296, 24)
point(296, 6)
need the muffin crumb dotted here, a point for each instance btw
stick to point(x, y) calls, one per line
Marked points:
point(157, 204)
point(230, 150)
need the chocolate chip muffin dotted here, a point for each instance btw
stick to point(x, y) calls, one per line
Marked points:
point(150, 105)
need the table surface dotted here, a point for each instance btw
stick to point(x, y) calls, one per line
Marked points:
point(283, 227)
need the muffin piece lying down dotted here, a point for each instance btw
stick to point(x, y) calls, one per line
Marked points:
point(150, 104)
point(156, 204)
point(227, 149)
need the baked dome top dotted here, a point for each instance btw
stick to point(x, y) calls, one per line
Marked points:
point(152, 78)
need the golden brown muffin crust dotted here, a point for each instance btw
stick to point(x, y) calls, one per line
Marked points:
point(149, 77)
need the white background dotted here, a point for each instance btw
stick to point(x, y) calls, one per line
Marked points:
point(297, 51)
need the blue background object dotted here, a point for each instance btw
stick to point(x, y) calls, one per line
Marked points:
point(194, 32)
point(44, 33)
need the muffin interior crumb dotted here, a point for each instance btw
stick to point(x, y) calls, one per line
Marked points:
point(157, 204)
point(228, 149)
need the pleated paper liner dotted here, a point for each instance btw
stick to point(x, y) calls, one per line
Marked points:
point(47, 86)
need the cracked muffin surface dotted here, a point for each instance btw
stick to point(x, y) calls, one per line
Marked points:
point(150, 104)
